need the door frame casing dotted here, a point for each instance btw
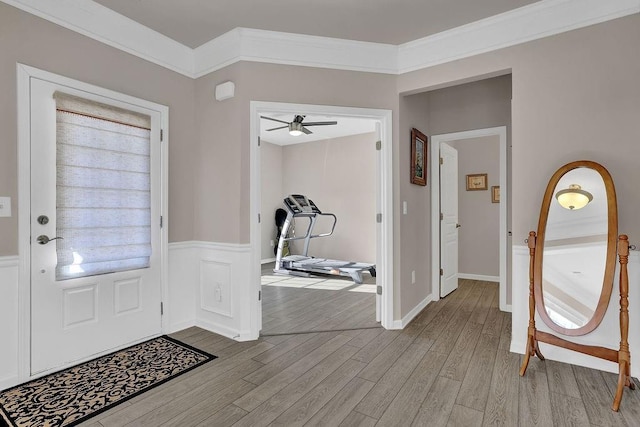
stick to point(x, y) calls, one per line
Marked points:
point(24, 75)
point(436, 140)
point(384, 187)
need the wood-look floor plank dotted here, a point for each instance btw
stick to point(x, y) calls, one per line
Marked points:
point(597, 398)
point(341, 405)
point(381, 363)
point(438, 404)
point(568, 411)
point(375, 346)
point(474, 391)
point(226, 417)
point(283, 347)
point(535, 401)
point(630, 398)
point(385, 390)
point(461, 416)
point(305, 408)
point(273, 385)
point(356, 419)
point(502, 404)
point(298, 353)
point(458, 361)
point(561, 378)
point(407, 402)
point(201, 406)
point(505, 333)
point(280, 400)
point(362, 337)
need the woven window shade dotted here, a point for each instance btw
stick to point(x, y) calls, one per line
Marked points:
point(103, 194)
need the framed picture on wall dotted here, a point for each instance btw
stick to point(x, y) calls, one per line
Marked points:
point(477, 181)
point(418, 157)
point(495, 194)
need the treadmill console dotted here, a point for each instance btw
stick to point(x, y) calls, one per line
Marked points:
point(297, 203)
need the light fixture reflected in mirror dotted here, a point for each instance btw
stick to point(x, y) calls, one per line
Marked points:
point(295, 129)
point(574, 197)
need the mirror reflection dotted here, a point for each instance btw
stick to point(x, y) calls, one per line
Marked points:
point(575, 248)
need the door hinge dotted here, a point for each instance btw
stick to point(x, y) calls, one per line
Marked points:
point(441, 161)
point(441, 272)
point(161, 135)
point(378, 145)
point(259, 219)
point(161, 309)
point(379, 290)
point(379, 218)
point(258, 141)
point(259, 295)
point(441, 216)
point(161, 221)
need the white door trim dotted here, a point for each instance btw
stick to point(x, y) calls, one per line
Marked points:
point(24, 75)
point(436, 140)
point(384, 186)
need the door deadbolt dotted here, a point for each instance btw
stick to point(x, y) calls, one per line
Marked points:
point(43, 220)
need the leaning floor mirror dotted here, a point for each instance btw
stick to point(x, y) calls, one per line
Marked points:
point(572, 266)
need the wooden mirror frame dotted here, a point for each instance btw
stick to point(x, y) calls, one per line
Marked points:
point(612, 237)
point(535, 243)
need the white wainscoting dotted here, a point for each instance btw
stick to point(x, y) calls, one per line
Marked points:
point(9, 322)
point(606, 335)
point(209, 284)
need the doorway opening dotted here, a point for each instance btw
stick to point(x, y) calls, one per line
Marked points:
point(437, 142)
point(379, 288)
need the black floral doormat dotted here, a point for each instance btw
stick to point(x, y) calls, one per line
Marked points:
point(69, 397)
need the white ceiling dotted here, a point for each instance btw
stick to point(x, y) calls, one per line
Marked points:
point(195, 22)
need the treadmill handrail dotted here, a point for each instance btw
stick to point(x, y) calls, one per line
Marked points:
point(313, 236)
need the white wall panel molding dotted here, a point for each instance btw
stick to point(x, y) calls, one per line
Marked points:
point(9, 322)
point(532, 22)
point(602, 336)
point(538, 20)
point(208, 286)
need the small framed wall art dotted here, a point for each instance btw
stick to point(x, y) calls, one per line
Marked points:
point(476, 182)
point(495, 194)
point(418, 157)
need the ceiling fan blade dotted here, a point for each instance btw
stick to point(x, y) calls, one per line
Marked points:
point(306, 131)
point(281, 127)
point(275, 120)
point(320, 123)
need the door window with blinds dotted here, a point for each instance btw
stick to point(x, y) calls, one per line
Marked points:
point(103, 190)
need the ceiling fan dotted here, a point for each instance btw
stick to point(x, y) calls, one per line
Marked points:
point(297, 127)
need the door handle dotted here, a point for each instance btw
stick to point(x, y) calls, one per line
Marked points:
point(43, 240)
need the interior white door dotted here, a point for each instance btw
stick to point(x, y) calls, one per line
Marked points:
point(449, 220)
point(76, 319)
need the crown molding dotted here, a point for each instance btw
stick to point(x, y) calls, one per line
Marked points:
point(246, 44)
point(538, 20)
point(104, 25)
point(528, 23)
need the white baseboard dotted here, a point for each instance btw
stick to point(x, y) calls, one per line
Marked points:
point(479, 277)
point(401, 324)
point(180, 326)
point(267, 261)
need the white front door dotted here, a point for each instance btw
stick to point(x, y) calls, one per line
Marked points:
point(449, 219)
point(78, 318)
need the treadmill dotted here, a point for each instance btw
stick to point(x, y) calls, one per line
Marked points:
point(299, 206)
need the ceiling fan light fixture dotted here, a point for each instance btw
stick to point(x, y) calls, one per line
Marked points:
point(295, 129)
point(574, 197)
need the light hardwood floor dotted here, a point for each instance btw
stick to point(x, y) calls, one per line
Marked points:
point(450, 367)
